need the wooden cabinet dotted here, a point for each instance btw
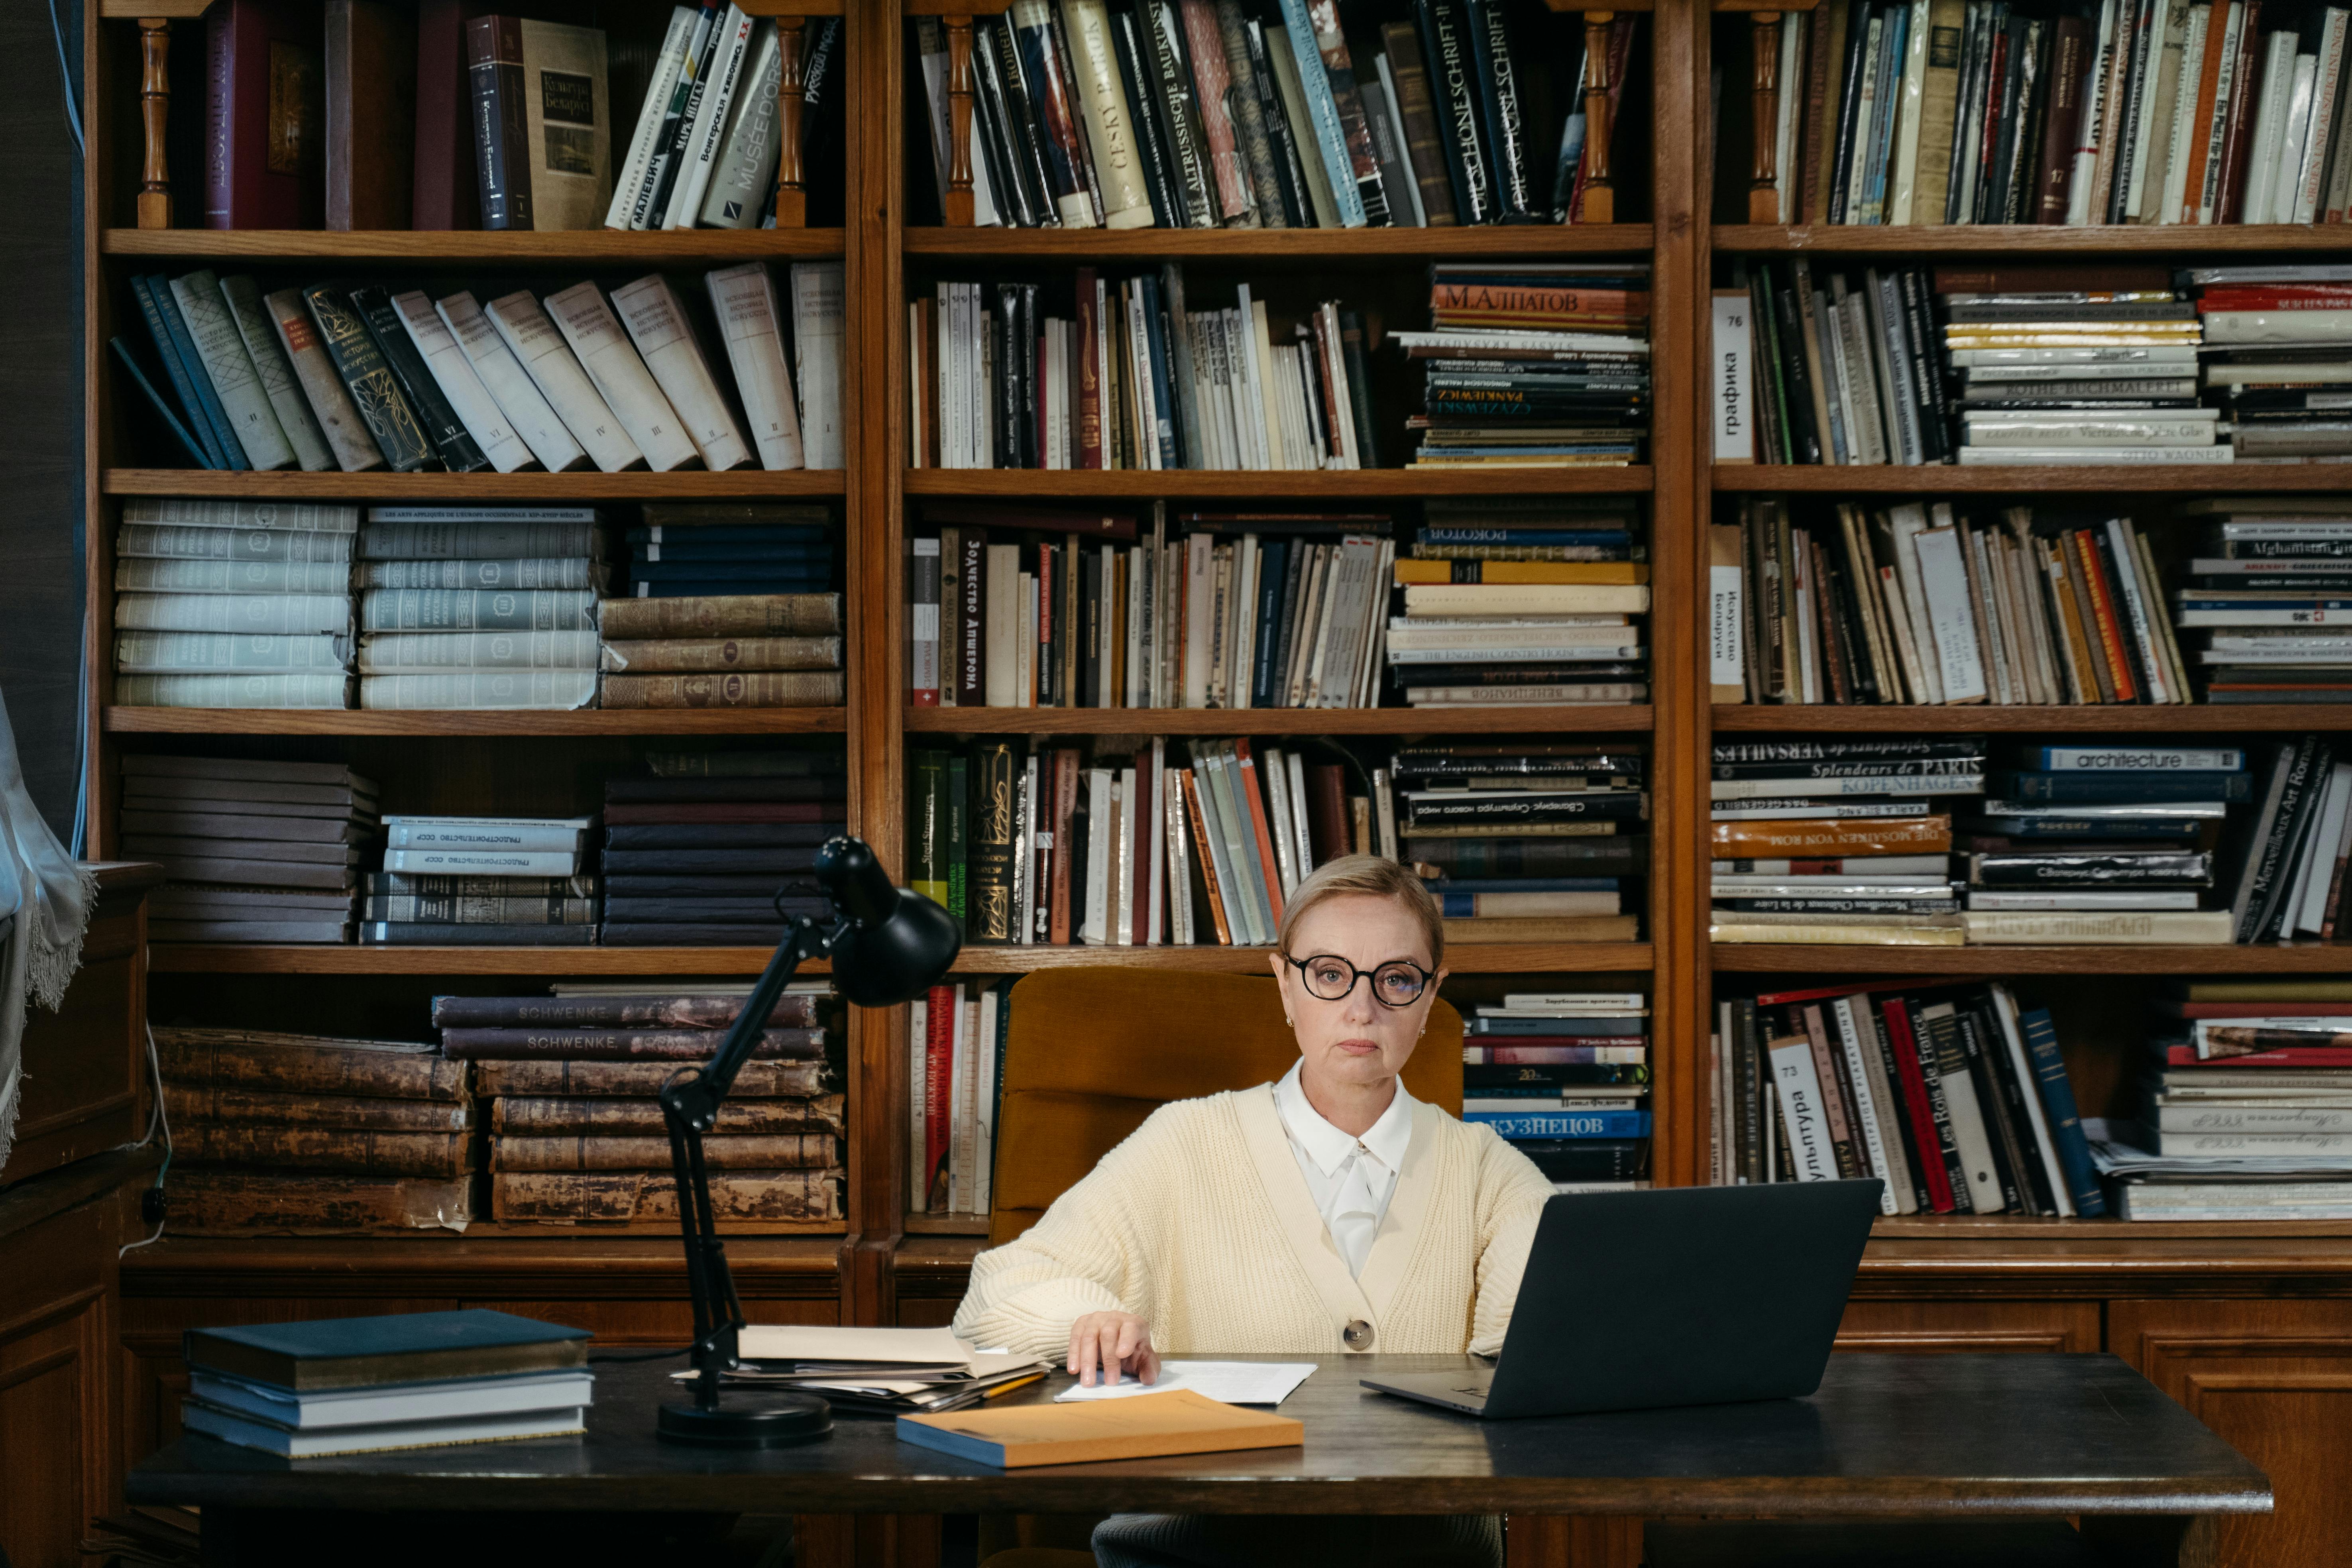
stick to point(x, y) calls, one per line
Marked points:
point(2274, 1379)
point(1916, 1327)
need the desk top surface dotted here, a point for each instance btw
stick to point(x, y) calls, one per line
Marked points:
point(1907, 1434)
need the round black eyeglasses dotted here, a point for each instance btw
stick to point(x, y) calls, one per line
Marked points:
point(1396, 984)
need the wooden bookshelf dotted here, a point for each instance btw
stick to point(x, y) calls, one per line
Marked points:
point(588, 248)
point(1972, 718)
point(2028, 480)
point(742, 484)
point(119, 720)
point(1190, 484)
point(1633, 720)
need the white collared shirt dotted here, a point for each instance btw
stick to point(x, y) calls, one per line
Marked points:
point(1350, 1179)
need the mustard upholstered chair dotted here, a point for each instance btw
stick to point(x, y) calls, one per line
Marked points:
point(1091, 1052)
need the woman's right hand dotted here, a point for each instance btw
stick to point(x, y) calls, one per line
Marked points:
point(1109, 1344)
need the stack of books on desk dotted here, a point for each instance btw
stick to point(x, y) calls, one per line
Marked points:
point(1839, 841)
point(254, 850)
point(724, 650)
point(275, 1133)
point(1526, 805)
point(718, 859)
point(511, 881)
point(577, 1135)
point(1564, 1077)
point(479, 607)
point(364, 1386)
point(2270, 578)
point(2245, 1105)
point(233, 604)
point(911, 1372)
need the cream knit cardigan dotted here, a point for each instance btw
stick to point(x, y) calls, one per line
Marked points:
point(1201, 1225)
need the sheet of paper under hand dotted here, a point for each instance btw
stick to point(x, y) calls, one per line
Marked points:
point(1226, 1382)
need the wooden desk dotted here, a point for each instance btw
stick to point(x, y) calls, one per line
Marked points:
point(1956, 1436)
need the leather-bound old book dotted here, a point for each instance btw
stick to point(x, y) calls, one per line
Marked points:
point(399, 436)
point(602, 1151)
point(534, 1117)
point(265, 115)
point(213, 1201)
point(756, 689)
point(188, 1104)
point(653, 1011)
point(566, 1082)
point(622, 1044)
point(542, 123)
point(339, 1149)
point(650, 1198)
point(210, 1058)
point(371, 75)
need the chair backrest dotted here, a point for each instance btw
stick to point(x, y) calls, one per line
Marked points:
point(1092, 1051)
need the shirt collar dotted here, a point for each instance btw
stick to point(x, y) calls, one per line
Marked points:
point(1386, 1139)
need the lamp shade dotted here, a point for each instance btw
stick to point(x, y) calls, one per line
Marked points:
point(899, 943)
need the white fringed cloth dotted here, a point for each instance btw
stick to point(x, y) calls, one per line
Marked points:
point(46, 899)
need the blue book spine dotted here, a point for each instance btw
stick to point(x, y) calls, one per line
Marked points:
point(2136, 759)
point(1882, 130)
point(1633, 1029)
point(1274, 559)
point(1540, 536)
point(951, 1442)
point(177, 374)
point(1442, 885)
point(722, 557)
point(2089, 826)
point(1163, 386)
point(158, 290)
point(2064, 787)
point(157, 401)
point(1563, 1123)
point(702, 588)
point(670, 536)
point(1323, 113)
point(2058, 1104)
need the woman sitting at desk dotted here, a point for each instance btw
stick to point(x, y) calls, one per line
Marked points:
point(1328, 1212)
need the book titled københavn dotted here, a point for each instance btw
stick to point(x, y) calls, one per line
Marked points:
point(1177, 1422)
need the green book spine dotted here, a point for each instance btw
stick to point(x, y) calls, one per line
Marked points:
point(958, 815)
point(926, 799)
point(988, 838)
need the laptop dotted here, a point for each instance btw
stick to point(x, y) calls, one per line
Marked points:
point(1677, 1295)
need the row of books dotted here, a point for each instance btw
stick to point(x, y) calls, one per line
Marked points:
point(955, 1069)
point(1921, 603)
point(1953, 1095)
point(1262, 113)
point(1202, 847)
point(1133, 378)
point(1533, 365)
point(1952, 111)
point(1563, 1077)
point(356, 377)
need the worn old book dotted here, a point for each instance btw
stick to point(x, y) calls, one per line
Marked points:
point(560, 1082)
point(542, 123)
point(205, 825)
point(336, 928)
point(622, 1044)
point(724, 615)
point(534, 1118)
point(590, 1197)
point(370, 73)
point(212, 1202)
point(275, 873)
point(683, 1011)
point(753, 689)
point(721, 1151)
point(697, 654)
point(246, 770)
point(189, 1103)
point(264, 115)
point(347, 1149)
point(1557, 928)
point(466, 933)
point(1178, 1421)
point(399, 436)
point(305, 1064)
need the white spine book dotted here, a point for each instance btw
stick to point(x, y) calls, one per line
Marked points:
point(1122, 900)
point(1864, 1110)
point(280, 615)
point(1095, 928)
point(330, 401)
point(242, 296)
point(230, 370)
point(2295, 137)
point(561, 690)
point(2050, 456)
point(919, 1061)
point(2274, 84)
point(1904, 522)
point(1904, 176)
point(1804, 1121)
point(745, 172)
point(453, 371)
point(2327, 89)
point(1298, 814)
point(1198, 565)
point(520, 404)
point(2094, 102)
point(816, 342)
point(1002, 626)
point(932, 46)
point(983, 1100)
point(961, 1090)
point(1248, 562)
point(2185, 128)
point(1969, 1135)
point(540, 349)
point(1951, 623)
point(710, 119)
point(423, 653)
point(305, 690)
point(656, 323)
point(620, 377)
point(1277, 768)
point(1152, 830)
point(744, 301)
point(631, 176)
point(2159, 96)
point(1110, 127)
point(225, 653)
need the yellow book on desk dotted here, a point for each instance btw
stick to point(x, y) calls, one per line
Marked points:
point(1178, 1422)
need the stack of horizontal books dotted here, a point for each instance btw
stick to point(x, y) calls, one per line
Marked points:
point(690, 549)
point(1564, 1077)
point(2275, 354)
point(278, 1133)
point(479, 607)
point(232, 605)
point(718, 859)
point(577, 1135)
point(1586, 802)
point(1542, 365)
point(730, 650)
point(436, 868)
point(911, 1372)
point(2270, 578)
point(252, 850)
point(365, 1385)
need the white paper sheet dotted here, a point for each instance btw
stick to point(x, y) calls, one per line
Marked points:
point(1227, 1382)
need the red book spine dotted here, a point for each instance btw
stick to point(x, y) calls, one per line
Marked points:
point(265, 115)
point(2306, 1057)
point(1917, 1110)
point(1042, 686)
point(939, 1047)
point(2110, 618)
point(444, 194)
point(1258, 827)
point(2238, 144)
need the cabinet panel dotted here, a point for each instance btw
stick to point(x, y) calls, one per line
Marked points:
point(1928, 1327)
point(2274, 1379)
point(52, 1435)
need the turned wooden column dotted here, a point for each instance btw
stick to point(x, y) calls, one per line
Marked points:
point(1764, 102)
point(958, 213)
point(791, 96)
point(154, 107)
point(1599, 196)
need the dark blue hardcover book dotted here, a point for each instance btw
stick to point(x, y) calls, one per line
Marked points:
point(1163, 389)
point(403, 1347)
point(698, 535)
point(719, 557)
point(1587, 1159)
point(782, 560)
point(1442, 885)
point(155, 399)
point(176, 371)
point(1631, 1027)
point(1273, 559)
point(159, 288)
point(1465, 906)
point(2063, 788)
point(2060, 827)
point(2058, 1105)
point(706, 587)
point(1564, 1124)
point(803, 836)
point(1506, 1075)
point(707, 909)
point(1600, 537)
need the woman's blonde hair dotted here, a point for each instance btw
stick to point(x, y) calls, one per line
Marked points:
point(1367, 874)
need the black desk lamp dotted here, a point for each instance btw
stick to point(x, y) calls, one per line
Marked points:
point(889, 945)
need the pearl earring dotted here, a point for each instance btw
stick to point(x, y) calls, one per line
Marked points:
point(1289, 1022)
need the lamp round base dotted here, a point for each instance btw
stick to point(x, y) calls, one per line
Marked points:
point(749, 1419)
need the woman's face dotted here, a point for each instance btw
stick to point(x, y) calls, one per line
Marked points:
point(1355, 1040)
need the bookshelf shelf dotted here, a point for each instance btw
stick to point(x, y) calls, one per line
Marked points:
point(346, 958)
point(1278, 247)
point(388, 488)
point(1272, 721)
point(595, 247)
point(2087, 958)
point(1306, 484)
point(2026, 240)
point(946, 1224)
point(1996, 1228)
point(1463, 958)
point(584, 721)
point(2115, 719)
point(1942, 479)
